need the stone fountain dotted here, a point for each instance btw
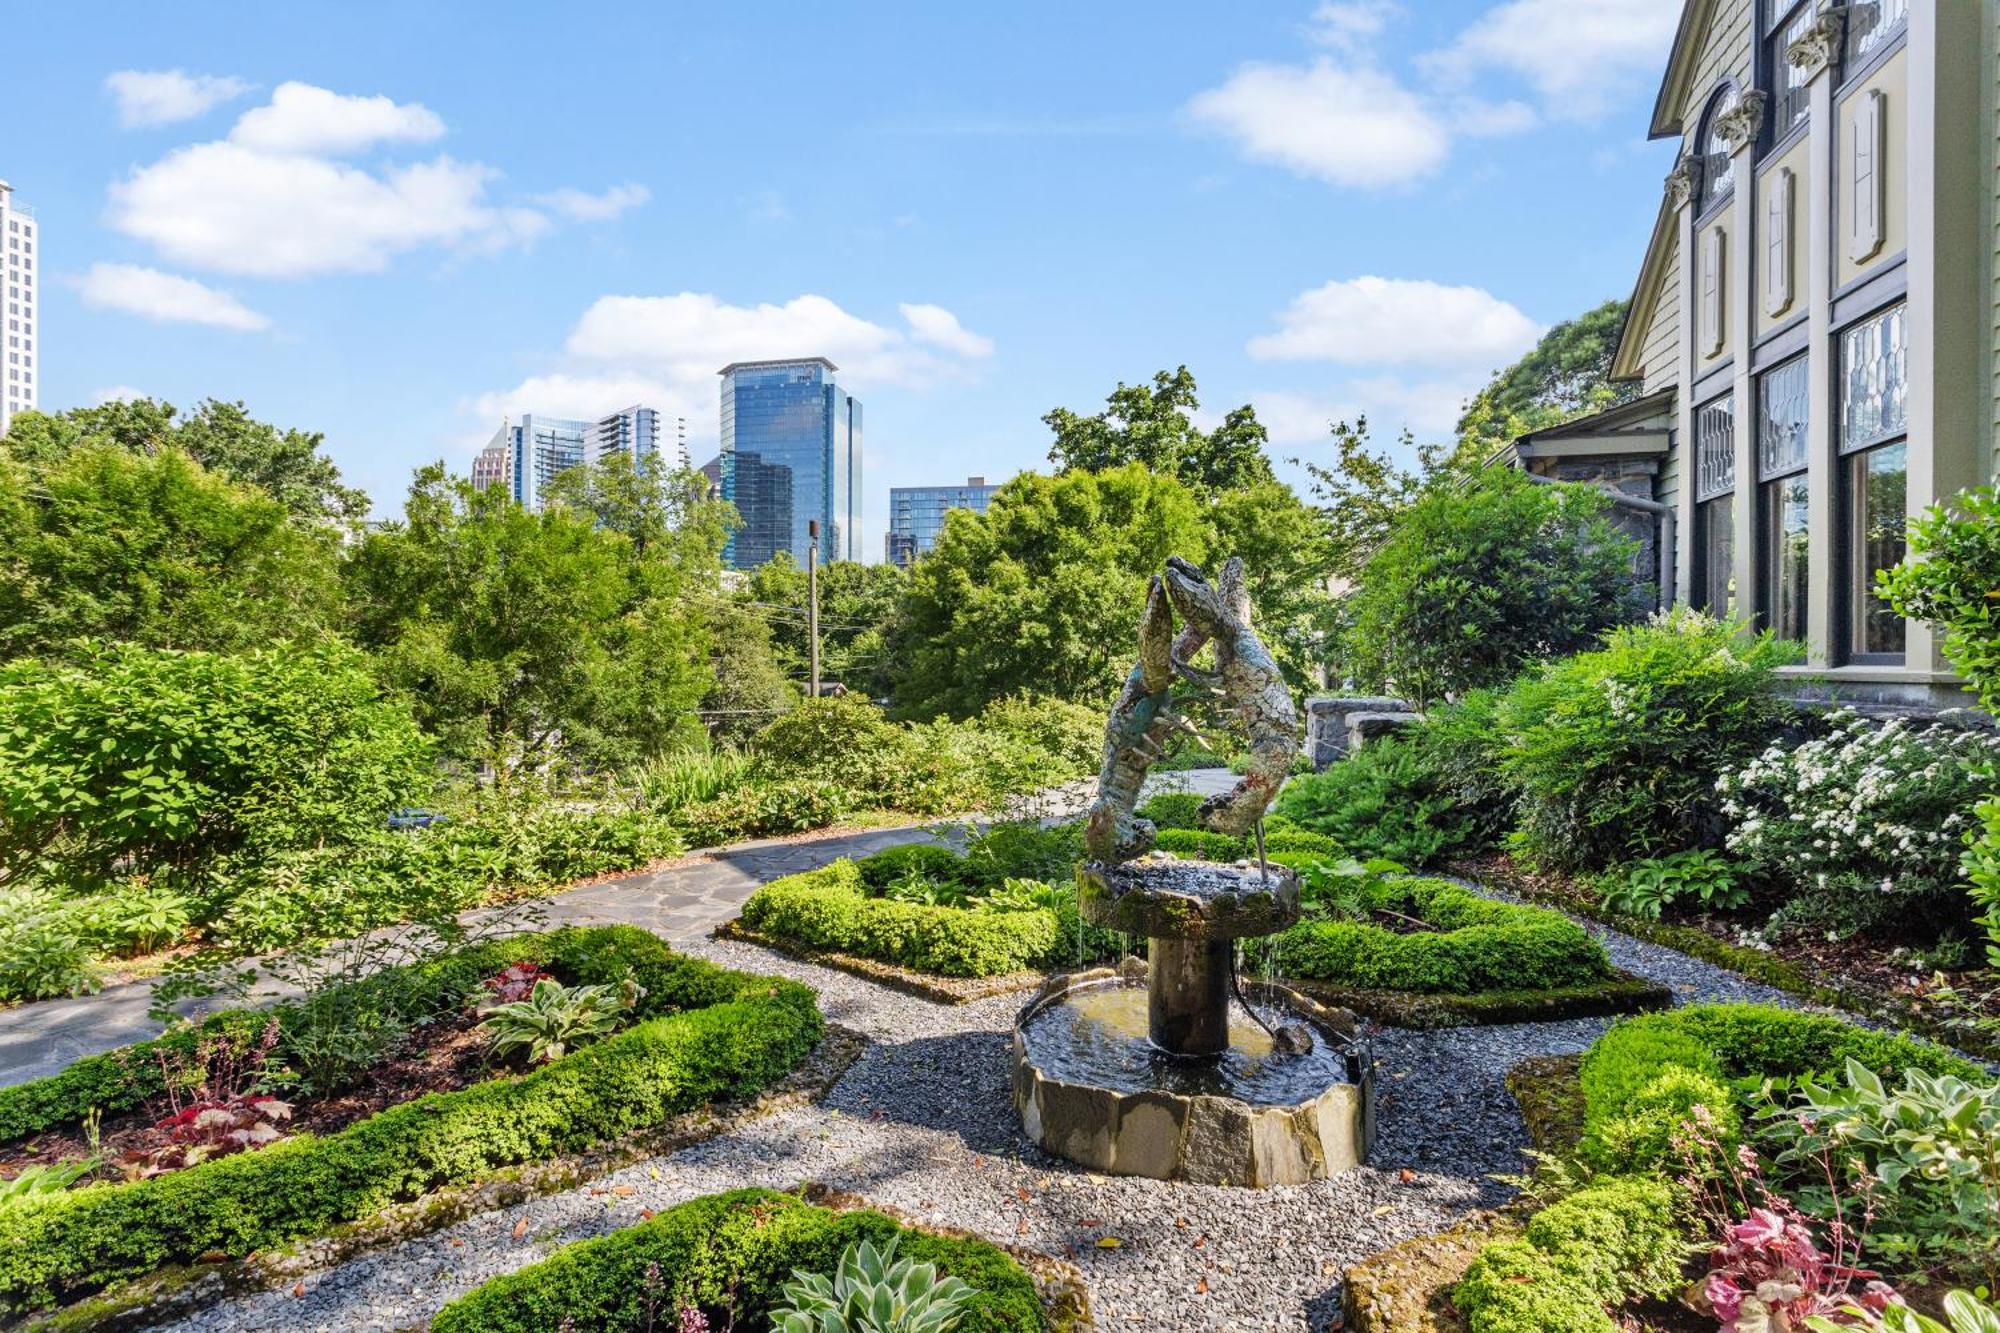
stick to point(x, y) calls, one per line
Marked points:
point(1175, 1068)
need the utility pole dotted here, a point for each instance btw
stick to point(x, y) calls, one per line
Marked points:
point(812, 597)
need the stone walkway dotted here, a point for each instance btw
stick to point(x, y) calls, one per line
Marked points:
point(680, 902)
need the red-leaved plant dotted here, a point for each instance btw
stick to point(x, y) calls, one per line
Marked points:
point(1769, 1273)
point(201, 1131)
point(514, 982)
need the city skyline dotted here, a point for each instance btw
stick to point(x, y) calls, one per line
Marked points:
point(18, 265)
point(1357, 205)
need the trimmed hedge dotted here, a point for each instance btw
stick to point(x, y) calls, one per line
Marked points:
point(715, 1034)
point(1295, 845)
point(728, 1255)
point(928, 859)
point(126, 1078)
point(1600, 1247)
point(1478, 944)
point(1172, 809)
point(829, 908)
point(1644, 1077)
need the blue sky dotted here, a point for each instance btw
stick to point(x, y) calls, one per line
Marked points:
point(395, 223)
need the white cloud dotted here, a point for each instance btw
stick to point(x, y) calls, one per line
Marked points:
point(275, 199)
point(117, 393)
point(1373, 321)
point(664, 351)
point(303, 119)
point(1349, 24)
point(1579, 55)
point(163, 96)
point(1428, 408)
point(1346, 124)
point(937, 326)
point(581, 206)
point(165, 298)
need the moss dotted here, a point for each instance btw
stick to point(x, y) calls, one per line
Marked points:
point(1623, 994)
point(1407, 1288)
point(1550, 1095)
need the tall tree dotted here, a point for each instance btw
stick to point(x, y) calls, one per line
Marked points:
point(1567, 374)
point(1155, 426)
point(154, 549)
point(1362, 491)
point(1040, 594)
point(857, 602)
point(223, 437)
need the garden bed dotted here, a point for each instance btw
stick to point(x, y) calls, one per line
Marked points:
point(923, 985)
point(1857, 975)
point(726, 1257)
point(701, 1034)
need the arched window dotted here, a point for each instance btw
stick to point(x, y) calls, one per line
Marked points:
point(1718, 174)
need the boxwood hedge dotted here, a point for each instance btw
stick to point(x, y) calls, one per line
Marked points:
point(1476, 944)
point(1642, 1078)
point(120, 1080)
point(830, 908)
point(711, 1033)
point(1600, 1247)
point(728, 1255)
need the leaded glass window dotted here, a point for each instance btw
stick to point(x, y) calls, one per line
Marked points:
point(1790, 95)
point(1715, 448)
point(1781, 420)
point(1718, 171)
point(1871, 24)
point(1874, 381)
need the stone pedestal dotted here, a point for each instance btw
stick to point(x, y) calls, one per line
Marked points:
point(1188, 998)
point(1329, 736)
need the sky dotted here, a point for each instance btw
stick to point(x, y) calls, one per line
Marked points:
point(397, 224)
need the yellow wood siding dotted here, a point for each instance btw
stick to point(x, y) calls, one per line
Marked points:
point(1725, 54)
point(1660, 355)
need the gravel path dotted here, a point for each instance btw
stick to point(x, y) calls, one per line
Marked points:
point(924, 1122)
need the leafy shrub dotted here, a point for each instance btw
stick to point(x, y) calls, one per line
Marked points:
point(1071, 735)
point(147, 758)
point(553, 1018)
point(1382, 801)
point(761, 809)
point(1616, 753)
point(720, 1034)
point(839, 738)
point(1475, 581)
point(728, 1255)
point(134, 918)
point(1925, 1156)
point(1646, 888)
point(872, 1291)
point(1644, 1076)
point(1202, 845)
point(1600, 1247)
point(1172, 809)
point(1874, 816)
point(1948, 580)
point(44, 949)
point(671, 783)
point(1024, 849)
point(1476, 944)
point(928, 860)
point(830, 908)
point(1461, 748)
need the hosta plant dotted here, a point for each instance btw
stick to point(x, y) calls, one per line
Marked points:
point(872, 1291)
point(37, 1179)
point(555, 1019)
point(1646, 888)
point(1964, 1313)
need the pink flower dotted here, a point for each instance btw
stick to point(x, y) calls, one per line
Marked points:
point(1724, 1297)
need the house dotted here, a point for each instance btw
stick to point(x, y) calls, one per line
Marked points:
point(1813, 331)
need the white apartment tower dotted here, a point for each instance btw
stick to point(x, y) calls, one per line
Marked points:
point(18, 266)
point(525, 456)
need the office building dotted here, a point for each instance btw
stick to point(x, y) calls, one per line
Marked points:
point(20, 264)
point(916, 515)
point(525, 456)
point(791, 453)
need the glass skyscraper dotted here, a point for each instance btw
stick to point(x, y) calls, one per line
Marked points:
point(525, 457)
point(916, 515)
point(791, 453)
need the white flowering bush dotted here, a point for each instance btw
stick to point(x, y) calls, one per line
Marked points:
point(1867, 824)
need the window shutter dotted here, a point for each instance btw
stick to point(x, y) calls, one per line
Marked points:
point(1867, 142)
point(1711, 292)
point(1778, 242)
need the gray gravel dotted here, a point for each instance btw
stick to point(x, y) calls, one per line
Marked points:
point(923, 1122)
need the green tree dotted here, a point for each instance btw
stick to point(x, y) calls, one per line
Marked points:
point(1040, 594)
point(1567, 374)
point(519, 634)
point(857, 604)
point(1362, 492)
point(152, 548)
point(1155, 426)
point(1477, 580)
point(223, 437)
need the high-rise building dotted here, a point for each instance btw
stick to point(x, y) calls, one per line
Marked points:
point(525, 456)
point(791, 454)
point(18, 266)
point(916, 515)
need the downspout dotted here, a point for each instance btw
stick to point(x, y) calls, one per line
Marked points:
point(1663, 528)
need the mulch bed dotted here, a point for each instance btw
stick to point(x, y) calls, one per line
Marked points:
point(442, 1056)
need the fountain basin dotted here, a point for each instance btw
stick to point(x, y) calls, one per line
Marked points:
point(1188, 900)
point(1090, 1087)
